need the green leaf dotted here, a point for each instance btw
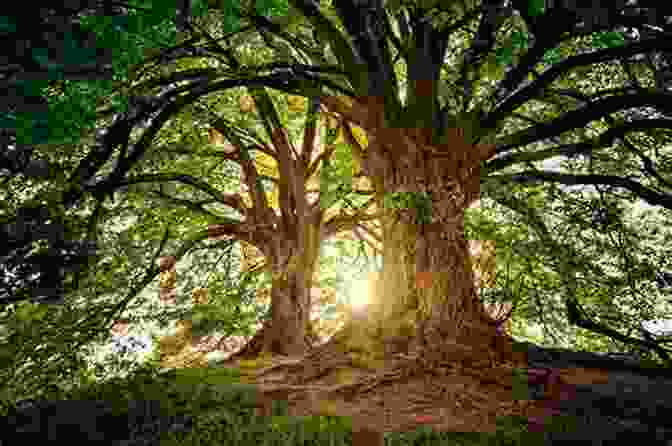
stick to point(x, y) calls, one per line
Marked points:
point(519, 39)
point(199, 8)
point(552, 56)
point(536, 7)
point(272, 7)
point(7, 24)
point(231, 16)
point(609, 39)
point(29, 311)
point(504, 56)
point(332, 134)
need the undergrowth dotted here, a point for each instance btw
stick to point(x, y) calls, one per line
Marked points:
point(223, 411)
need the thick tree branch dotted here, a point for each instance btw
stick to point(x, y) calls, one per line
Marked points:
point(578, 118)
point(348, 57)
point(650, 196)
point(605, 139)
point(547, 77)
point(232, 200)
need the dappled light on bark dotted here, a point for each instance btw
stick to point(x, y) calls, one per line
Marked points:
point(288, 331)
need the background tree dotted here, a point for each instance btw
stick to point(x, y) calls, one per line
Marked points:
point(42, 244)
point(126, 262)
point(51, 97)
point(279, 237)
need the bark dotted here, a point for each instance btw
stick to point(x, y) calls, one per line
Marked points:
point(292, 265)
point(289, 242)
point(288, 332)
point(426, 292)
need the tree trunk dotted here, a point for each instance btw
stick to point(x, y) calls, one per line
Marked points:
point(288, 331)
point(426, 292)
point(290, 313)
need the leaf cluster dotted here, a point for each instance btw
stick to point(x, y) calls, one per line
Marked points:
point(421, 202)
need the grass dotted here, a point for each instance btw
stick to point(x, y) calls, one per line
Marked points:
point(223, 410)
point(232, 421)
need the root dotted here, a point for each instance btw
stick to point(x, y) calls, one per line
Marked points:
point(463, 387)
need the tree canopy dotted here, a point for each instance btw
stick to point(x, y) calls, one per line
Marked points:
point(568, 97)
point(511, 65)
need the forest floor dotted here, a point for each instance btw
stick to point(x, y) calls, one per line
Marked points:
point(481, 387)
point(395, 393)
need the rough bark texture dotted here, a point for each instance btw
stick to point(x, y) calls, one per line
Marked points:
point(427, 273)
point(442, 359)
point(288, 331)
point(289, 241)
point(425, 314)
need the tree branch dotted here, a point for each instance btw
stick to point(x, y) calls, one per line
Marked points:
point(650, 196)
point(605, 139)
point(578, 118)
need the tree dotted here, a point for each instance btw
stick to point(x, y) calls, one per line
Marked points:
point(86, 167)
point(289, 237)
point(376, 108)
point(53, 97)
point(466, 121)
point(82, 69)
point(413, 242)
point(427, 151)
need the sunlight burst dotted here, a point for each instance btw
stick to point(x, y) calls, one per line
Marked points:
point(359, 293)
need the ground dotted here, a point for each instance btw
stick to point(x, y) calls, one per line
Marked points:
point(392, 393)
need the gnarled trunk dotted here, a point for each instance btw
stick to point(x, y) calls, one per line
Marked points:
point(426, 292)
point(288, 331)
point(290, 313)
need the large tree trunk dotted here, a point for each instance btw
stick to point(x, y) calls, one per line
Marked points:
point(288, 331)
point(426, 292)
point(424, 317)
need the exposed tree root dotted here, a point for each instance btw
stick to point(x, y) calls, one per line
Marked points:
point(455, 388)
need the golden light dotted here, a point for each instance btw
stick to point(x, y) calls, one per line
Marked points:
point(246, 104)
point(359, 293)
point(296, 104)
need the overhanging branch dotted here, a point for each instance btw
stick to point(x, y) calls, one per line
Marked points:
point(604, 140)
point(547, 77)
point(650, 196)
point(575, 314)
point(578, 118)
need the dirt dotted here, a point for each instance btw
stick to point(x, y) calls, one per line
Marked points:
point(397, 393)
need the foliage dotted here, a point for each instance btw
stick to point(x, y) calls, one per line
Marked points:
point(34, 241)
point(40, 339)
point(72, 109)
point(57, 107)
point(528, 259)
point(336, 178)
point(420, 201)
point(519, 40)
point(43, 350)
point(232, 12)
